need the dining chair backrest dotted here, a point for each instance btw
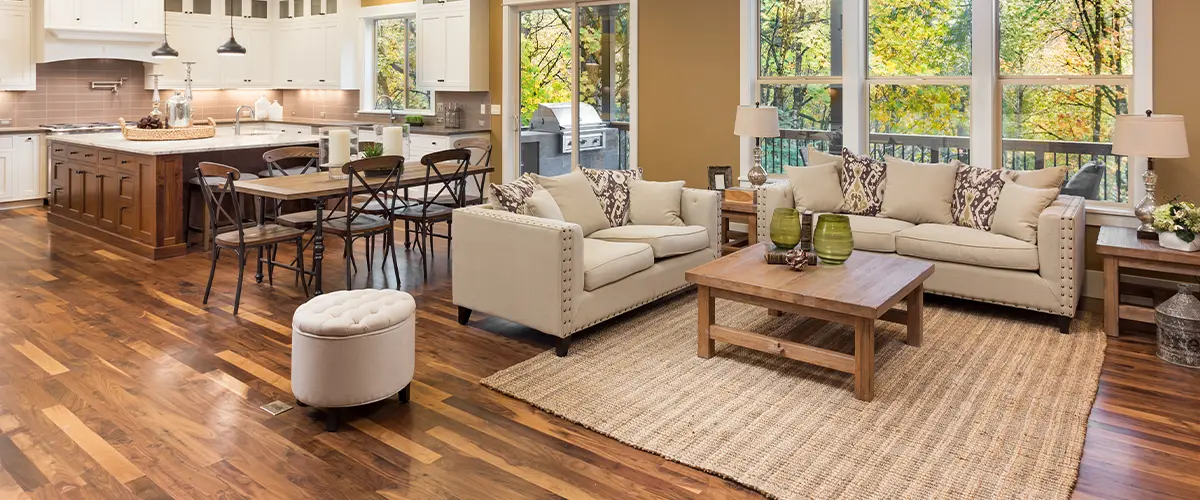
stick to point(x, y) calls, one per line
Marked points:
point(217, 193)
point(481, 156)
point(448, 169)
point(371, 180)
point(291, 157)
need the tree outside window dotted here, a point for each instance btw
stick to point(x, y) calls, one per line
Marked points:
point(396, 65)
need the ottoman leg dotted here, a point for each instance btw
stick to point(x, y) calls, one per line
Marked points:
point(333, 418)
point(564, 344)
point(405, 393)
point(301, 404)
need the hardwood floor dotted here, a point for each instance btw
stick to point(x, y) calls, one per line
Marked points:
point(117, 382)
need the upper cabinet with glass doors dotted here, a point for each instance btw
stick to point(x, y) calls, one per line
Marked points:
point(452, 45)
point(307, 9)
point(191, 7)
point(247, 9)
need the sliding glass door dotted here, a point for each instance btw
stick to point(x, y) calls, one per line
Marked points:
point(570, 79)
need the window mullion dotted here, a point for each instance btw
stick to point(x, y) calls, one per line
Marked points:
point(986, 126)
point(854, 75)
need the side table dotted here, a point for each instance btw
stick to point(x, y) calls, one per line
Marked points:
point(1121, 248)
point(738, 205)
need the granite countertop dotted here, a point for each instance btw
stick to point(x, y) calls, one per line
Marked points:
point(434, 129)
point(6, 130)
point(292, 120)
point(224, 140)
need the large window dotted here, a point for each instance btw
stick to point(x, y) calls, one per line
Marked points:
point(1027, 84)
point(395, 59)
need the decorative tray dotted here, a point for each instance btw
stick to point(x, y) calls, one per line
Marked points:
point(169, 134)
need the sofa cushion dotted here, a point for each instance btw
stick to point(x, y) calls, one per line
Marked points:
point(511, 196)
point(816, 187)
point(918, 192)
point(1018, 210)
point(966, 245)
point(976, 192)
point(655, 203)
point(576, 200)
point(612, 188)
point(863, 181)
point(1046, 178)
point(876, 234)
point(666, 241)
point(541, 204)
point(607, 261)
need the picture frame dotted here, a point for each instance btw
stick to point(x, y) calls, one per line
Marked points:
point(720, 177)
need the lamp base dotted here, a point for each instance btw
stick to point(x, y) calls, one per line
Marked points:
point(1147, 234)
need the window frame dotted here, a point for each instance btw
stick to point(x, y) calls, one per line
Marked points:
point(985, 81)
point(367, 95)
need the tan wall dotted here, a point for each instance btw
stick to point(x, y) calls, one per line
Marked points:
point(373, 3)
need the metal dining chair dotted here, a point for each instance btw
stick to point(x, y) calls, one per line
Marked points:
point(481, 156)
point(370, 212)
point(447, 169)
point(279, 159)
point(219, 197)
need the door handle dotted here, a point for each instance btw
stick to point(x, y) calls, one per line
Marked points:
point(124, 162)
point(105, 158)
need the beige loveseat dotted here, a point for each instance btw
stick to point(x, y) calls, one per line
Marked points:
point(544, 274)
point(974, 264)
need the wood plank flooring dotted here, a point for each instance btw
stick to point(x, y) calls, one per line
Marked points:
point(116, 382)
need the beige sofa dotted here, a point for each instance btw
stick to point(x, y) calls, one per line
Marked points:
point(544, 274)
point(975, 264)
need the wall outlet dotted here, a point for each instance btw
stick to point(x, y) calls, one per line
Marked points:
point(322, 114)
point(483, 123)
point(4, 122)
point(483, 109)
point(496, 109)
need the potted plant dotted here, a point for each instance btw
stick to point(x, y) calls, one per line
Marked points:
point(1178, 223)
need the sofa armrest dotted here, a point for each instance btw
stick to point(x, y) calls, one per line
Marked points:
point(518, 267)
point(702, 207)
point(770, 197)
point(1060, 242)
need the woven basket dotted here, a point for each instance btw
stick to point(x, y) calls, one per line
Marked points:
point(169, 134)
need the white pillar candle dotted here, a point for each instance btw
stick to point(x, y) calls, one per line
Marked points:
point(339, 147)
point(393, 141)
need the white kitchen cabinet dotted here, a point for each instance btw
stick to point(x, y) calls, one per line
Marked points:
point(308, 56)
point(452, 45)
point(193, 7)
point(104, 16)
point(253, 69)
point(20, 171)
point(16, 67)
point(248, 9)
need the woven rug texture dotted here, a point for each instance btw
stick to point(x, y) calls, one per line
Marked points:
point(994, 404)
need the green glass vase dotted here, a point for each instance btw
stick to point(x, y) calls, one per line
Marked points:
point(833, 240)
point(785, 228)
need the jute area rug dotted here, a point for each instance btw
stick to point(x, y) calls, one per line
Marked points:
point(993, 405)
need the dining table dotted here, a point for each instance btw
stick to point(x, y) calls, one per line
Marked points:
point(320, 187)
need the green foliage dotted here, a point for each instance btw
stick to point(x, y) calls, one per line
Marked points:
point(396, 65)
point(371, 149)
point(1179, 217)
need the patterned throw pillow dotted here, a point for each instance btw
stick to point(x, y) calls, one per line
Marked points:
point(612, 188)
point(863, 179)
point(976, 194)
point(511, 196)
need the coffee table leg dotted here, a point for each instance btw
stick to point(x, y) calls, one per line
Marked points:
point(707, 316)
point(916, 308)
point(864, 359)
point(774, 312)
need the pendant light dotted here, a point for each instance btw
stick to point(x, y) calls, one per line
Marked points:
point(165, 52)
point(232, 47)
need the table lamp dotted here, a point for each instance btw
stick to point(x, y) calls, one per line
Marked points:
point(757, 122)
point(1151, 136)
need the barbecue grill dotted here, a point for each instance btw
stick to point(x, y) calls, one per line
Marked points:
point(550, 128)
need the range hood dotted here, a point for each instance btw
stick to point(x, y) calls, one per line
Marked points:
point(67, 35)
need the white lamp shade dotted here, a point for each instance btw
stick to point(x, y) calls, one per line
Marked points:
point(1155, 136)
point(756, 121)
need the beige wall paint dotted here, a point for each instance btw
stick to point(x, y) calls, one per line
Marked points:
point(373, 3)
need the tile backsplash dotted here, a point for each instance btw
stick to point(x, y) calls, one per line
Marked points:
point(64, 95)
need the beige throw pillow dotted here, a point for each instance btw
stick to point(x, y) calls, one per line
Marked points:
point(577, 201)
point(541, 204)
point(1018, 210)
point(655, 203)
point(918, 192)
point(816, 187)
point(1046, 178)
point(818, 157)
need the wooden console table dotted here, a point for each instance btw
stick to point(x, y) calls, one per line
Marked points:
point(738, 205)
point(1121, 248)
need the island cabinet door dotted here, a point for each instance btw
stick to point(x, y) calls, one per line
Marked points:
point(60, 185)
point(107, 185)
point(124, 196)
point(92, 195)
point(76, 190)
point(142, 196)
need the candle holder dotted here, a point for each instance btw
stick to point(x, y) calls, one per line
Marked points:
point(337, 146)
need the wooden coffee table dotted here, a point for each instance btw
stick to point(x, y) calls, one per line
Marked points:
point(857, 293)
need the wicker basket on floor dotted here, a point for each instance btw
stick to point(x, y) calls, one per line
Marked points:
point(169, 134)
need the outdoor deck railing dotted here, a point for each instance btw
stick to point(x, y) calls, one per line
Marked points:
point(622, 143)
point(1018, 154)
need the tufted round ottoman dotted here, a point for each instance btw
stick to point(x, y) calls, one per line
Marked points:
point(352, 348)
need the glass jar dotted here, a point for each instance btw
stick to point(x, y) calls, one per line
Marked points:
point(179, 111)
point(833, 240)
point(785, 228)
point(337, 146)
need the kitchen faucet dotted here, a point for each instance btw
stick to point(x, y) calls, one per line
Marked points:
point(391, 107)
point(237, 118)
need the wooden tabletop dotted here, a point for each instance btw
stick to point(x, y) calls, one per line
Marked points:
point(319, 185)
point(867, 285)
point(1123, 242)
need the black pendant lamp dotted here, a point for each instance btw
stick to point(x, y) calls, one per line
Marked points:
point(232, 47)
point(165, 52)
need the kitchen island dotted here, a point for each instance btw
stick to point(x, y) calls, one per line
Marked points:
point(131, 194)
